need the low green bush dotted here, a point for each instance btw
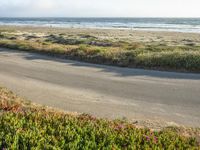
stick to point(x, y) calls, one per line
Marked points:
point(27, 126)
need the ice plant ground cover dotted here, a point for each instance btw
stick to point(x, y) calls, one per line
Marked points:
point(24, 125)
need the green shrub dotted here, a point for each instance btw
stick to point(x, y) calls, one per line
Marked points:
point(27, 126)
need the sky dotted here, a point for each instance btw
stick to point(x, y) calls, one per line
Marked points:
point(99, 8)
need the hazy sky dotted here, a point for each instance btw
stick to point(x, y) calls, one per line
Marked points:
point(99, 8)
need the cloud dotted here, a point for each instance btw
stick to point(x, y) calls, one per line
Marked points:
point(19, 8)
point(99, 8)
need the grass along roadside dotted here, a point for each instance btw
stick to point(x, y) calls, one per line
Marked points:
point(24, 125)
point(89, 48)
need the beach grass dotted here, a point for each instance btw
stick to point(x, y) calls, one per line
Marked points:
point(24, 125)
point(88, 48)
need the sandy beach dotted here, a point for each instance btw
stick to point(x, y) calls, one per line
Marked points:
point(152, 37)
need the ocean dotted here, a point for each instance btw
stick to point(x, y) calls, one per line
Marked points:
point(151, 24)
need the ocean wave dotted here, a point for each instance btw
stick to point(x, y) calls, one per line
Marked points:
point(158, 24)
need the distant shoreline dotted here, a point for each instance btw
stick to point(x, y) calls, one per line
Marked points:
point(32, 27)
point(103, 28)
point(183, 25)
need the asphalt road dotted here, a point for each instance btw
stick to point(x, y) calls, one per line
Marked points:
point(103, 91)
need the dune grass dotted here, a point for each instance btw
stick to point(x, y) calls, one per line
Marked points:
point(119, 53)
point(28, 126)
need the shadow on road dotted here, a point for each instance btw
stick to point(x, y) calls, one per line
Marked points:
point(118, 71)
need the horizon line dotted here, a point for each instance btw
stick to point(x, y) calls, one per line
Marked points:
point(92, 17)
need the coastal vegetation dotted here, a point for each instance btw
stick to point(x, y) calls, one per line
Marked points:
point(24, 125)
point(89, 48)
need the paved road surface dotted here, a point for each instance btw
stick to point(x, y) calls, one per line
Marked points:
point(103, 91)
